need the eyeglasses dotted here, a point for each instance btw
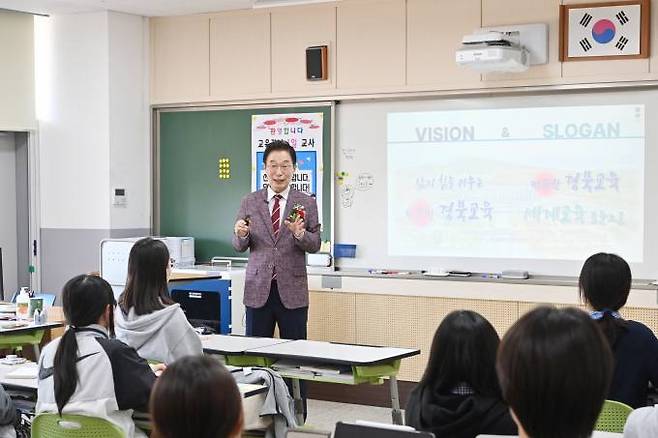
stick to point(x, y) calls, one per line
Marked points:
point(283, 167)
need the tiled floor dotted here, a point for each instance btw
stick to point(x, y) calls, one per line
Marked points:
point(323, 415)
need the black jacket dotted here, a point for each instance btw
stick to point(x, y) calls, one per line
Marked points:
point(636, 364)
point(458, 416)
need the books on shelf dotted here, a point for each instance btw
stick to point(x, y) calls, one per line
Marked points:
point(310, 371)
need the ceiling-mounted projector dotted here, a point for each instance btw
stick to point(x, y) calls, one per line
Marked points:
point(504, 49)
point(493, 51)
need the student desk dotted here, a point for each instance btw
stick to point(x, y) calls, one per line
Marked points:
point(30, 334)
point(190, 274)
point(368, 364)
point(253, 397)
point(29, 328)
point(235, 345)
point(27, 385)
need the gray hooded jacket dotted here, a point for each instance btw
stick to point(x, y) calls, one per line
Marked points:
point(164, 335)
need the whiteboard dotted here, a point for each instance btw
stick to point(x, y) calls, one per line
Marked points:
point(364, 207)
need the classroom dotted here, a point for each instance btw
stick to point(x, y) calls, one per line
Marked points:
point(462, 157)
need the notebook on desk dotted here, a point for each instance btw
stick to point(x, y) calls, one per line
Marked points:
point(349, 430)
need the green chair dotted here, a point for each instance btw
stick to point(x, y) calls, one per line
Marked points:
point(613, 417)
point(73, 426)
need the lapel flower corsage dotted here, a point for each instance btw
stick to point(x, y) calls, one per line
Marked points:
point(298, 211)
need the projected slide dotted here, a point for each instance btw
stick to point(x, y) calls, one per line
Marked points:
point(532, 183)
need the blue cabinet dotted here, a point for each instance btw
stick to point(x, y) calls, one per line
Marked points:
point(205, 302)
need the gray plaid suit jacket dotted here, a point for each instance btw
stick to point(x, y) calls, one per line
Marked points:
point(285, 254)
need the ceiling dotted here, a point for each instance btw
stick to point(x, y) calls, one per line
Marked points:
point(149, 8)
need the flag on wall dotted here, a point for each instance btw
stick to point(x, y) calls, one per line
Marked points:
point(604, 31)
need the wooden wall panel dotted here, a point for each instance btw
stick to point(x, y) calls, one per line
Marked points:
point(371, 40)
point(504, 12)
point(293, 30)
point(332, 317)
point(404, 321)
point(375, 47)
point(240, 54)
point(180, 62)
point(431, 47)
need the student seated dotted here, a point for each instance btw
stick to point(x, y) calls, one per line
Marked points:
point(459, 395)
point(148, 319)
point(554, 367)
point(86, 372)
point(605, 282)
point(197, 397)
point(642, 423)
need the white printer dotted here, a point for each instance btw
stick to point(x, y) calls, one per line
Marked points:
point(114, 257)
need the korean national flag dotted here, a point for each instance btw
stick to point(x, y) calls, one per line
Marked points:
point(604, 31)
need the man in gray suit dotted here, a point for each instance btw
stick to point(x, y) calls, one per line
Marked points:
point(278, 225)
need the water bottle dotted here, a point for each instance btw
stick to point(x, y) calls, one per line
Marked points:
point(22, 303)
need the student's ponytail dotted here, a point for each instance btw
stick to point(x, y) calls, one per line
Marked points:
point(84, 299)
point(612, 324)
point(65, 374)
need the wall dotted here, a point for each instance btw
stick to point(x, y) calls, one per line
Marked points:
point(8, 241)
point(74, 137)
point(23, 213)
point(17, 72)
point(406, 312)
point(93, 136)
point(376, 48)
point(128, 121)
point(17, 114)
point(14, 219)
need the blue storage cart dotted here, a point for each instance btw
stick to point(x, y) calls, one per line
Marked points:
point(206, 302)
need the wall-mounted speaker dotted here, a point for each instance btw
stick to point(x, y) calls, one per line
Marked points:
point(316, 63)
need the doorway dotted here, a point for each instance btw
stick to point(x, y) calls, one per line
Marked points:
point(15, 211)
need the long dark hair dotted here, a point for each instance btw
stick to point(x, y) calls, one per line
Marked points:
point(84, 299)
point(197, 397)
point(604, 284)
point(146, 287)
point(555, 368)
point(463, 351)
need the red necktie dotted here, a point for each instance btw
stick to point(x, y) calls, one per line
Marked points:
point(276, 215)
point(276, 221)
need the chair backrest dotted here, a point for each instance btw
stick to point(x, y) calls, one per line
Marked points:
point(613, 416)
point(349, 430)
point(73, 426)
